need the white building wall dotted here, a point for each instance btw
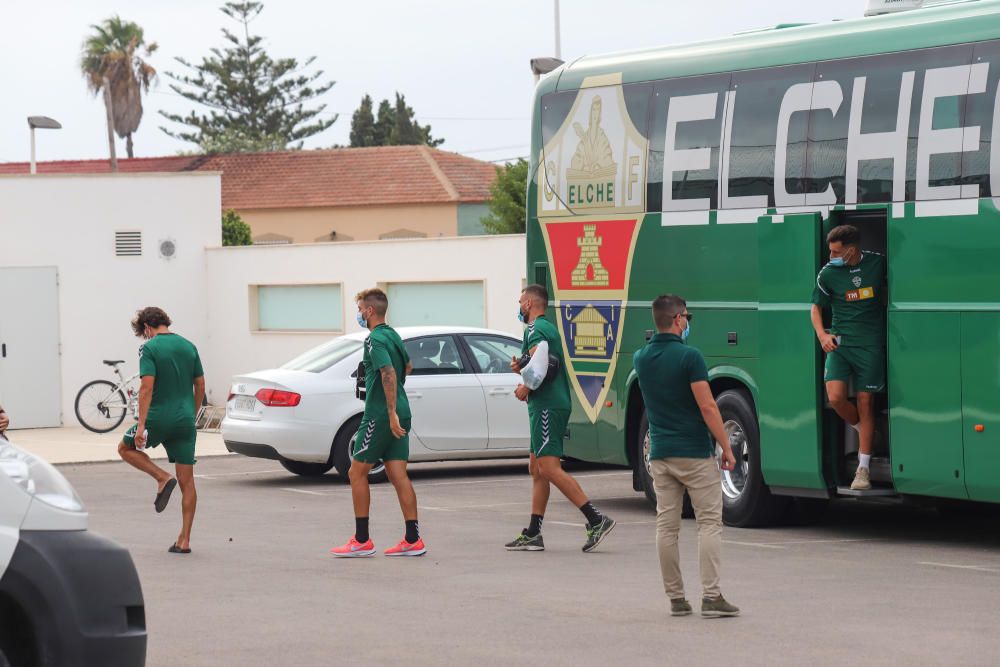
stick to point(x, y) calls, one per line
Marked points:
point(70, 222)
point(234, 347)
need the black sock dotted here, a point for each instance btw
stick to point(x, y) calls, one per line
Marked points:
point(535, 526)
point(593, 514)
point(361, 529)
point(412, 532)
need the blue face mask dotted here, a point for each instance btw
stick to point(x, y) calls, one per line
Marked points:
point(520, 316)
point(837, 261)
point(362, 322)
point(686, 332)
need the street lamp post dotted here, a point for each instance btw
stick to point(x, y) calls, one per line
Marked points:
point(44, 123)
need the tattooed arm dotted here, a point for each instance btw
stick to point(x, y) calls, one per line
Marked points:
point(389, 381)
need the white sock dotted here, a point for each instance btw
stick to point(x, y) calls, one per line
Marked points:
point(856, 427)
point(864, 460)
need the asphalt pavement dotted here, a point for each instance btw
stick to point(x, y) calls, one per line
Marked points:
point(868, 584)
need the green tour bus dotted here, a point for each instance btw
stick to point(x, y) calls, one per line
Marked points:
point(713, 171)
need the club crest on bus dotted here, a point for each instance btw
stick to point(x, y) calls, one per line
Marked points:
point(590, 264)
point(596, 161)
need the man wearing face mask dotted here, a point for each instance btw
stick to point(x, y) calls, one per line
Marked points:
point(684, 427)
point(383, 434)
point(549, 406)
point(853, 286)
point(171, 390)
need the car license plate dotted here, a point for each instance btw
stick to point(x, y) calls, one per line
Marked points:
point(246, 403)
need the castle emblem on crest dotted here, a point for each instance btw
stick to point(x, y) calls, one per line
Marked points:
point(588, 271)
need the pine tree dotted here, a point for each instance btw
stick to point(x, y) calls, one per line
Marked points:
point(363, 124)
point(385, 123)
point(248, 93)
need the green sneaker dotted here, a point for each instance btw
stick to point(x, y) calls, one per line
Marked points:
point(524, 543)
point(717, 608)
point(596, 534)
point(680, 607)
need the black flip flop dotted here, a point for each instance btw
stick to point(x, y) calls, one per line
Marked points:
point(174, 549)
point(163, 497)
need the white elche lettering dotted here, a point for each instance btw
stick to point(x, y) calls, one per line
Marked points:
point(801, 97)
point(946, 82)
point(878, 145)
point(684, 109)
point(757, 203)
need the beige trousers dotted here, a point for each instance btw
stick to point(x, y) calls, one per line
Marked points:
point(700, 477)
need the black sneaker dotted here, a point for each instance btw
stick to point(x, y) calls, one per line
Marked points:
point(524, 543)
point(596, 534)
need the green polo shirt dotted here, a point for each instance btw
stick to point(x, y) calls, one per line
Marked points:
point(857, 296)
point(174, 363)
point(666, 368)
point(384, 347)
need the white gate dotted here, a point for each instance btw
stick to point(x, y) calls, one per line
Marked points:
point(30, 362)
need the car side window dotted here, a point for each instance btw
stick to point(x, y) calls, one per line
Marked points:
point(492, 354)
point(434, 355)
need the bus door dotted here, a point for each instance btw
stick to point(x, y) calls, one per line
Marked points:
point(789, 377)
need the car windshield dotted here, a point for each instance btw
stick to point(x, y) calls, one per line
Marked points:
point(324, 356)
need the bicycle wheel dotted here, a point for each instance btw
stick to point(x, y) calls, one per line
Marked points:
point(100, 407)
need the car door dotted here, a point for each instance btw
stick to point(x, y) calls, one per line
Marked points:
point(446, 398)
point(508, 417)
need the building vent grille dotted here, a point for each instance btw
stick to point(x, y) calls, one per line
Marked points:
point(128, 244)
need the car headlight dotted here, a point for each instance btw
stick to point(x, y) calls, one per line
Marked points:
point(38, 478)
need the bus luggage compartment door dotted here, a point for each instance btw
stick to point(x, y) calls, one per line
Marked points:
point(789, 380)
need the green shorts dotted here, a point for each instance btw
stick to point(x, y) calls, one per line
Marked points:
point(177, 439)
point(866, 364)
point(548, 428)
point(375, 442)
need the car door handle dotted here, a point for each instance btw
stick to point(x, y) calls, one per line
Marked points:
point(414, 394)
point(499, 392)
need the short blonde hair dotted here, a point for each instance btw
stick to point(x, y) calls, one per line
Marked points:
point(375, 298)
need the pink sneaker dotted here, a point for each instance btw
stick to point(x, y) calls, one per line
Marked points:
point(354, 549)
point(404, 548)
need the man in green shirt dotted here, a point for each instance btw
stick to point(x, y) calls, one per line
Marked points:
point(546, 389)
point(384, 431)
point(171, 390)
point(684, 425)
point(853, 286)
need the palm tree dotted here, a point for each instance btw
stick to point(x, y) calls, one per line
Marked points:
point(111, 65)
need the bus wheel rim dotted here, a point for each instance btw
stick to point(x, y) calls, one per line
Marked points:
point(734, 481)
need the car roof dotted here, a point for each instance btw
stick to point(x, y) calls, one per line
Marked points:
point(415, 332)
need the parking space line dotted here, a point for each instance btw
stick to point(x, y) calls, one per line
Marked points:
point(234, 474)
point(505, 480)
point(762, 545)
point(311, 493)
point(436, 509)
point(977, 568)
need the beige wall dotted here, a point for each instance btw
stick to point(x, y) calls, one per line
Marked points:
point(352, 223)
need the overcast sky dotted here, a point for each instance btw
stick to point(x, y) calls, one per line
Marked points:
point(462, 64)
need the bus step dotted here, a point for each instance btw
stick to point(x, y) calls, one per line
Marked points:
point(874, 492)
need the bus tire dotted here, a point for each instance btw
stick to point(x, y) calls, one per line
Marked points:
point(746, 500)
point(644, 474)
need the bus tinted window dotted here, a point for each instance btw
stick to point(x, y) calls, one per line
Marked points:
point(695, 134)
point(979, 110)
point(759, 97)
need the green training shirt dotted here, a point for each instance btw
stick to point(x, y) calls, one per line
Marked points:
point(174, 362)
point(553, 394)
point(666, 367)
point(857, 296)
point(384, 347)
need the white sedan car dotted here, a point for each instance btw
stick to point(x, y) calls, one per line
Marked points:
point(461, 394)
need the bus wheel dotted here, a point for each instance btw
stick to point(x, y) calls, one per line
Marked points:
point(646, 474)
point(746, 500)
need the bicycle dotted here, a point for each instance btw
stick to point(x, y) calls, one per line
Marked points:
point(101, 405)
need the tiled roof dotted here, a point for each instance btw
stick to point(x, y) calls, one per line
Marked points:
point(322, 178)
